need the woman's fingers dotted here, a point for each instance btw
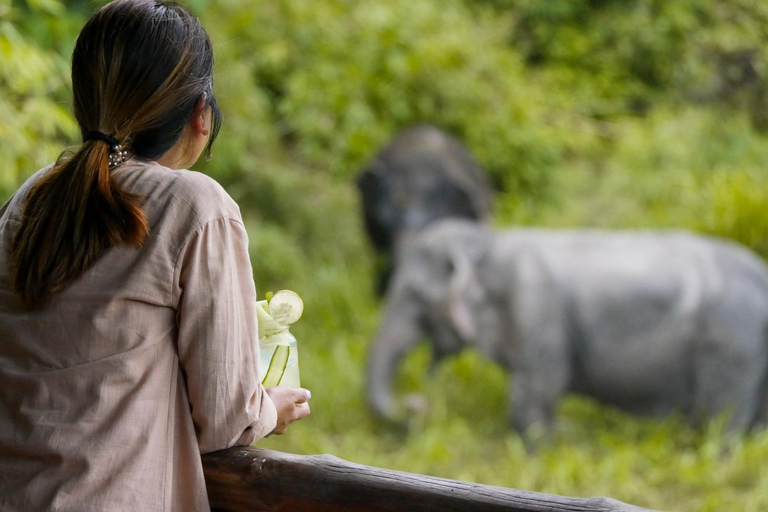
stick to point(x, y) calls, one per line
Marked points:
point(291, 405)
point(301, 395)
point(301, 410)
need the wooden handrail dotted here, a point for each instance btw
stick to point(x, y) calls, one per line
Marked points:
point(256, 480)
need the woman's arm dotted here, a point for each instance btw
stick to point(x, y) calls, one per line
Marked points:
point(217, 337)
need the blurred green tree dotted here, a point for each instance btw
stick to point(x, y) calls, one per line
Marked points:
point(35, 123)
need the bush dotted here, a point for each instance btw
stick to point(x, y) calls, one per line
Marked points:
point(35, 124)
point(684, 167)
point(343, 77)
point(642, 52)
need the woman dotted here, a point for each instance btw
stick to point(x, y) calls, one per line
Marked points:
point(127, 324)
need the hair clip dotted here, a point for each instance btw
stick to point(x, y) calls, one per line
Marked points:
point(117, 155)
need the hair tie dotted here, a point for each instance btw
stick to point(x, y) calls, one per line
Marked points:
point(97, 135)
point(117, 154)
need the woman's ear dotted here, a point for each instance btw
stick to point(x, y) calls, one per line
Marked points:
point(200, 121)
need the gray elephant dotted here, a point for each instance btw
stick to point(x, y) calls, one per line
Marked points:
point(423, 175)
point(651, 322)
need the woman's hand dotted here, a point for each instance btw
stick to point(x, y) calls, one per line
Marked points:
point(291, 405)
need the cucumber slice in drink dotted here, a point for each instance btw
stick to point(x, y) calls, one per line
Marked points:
point(277, 366)
point(267, 325)
point(286, 307)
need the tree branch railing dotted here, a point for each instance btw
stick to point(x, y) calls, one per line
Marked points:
point(260, 480)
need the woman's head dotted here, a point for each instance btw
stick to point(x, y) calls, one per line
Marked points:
point(142, 74)
point(139, 69)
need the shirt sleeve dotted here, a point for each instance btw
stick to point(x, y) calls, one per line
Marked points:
point(217, 337)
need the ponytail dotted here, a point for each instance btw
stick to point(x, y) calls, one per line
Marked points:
point(71, 217)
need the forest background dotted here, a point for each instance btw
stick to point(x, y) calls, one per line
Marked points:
point(599, 113)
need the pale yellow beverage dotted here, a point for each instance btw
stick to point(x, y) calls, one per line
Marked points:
point(278, 350)
point(290, 374)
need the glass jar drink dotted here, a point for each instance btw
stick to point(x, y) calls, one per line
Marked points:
point(278, 350)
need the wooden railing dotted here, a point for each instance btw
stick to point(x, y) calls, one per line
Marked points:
point(256, 480)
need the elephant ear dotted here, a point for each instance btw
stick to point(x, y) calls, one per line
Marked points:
point(466, 293)
point(463, 286)
point(381, 217)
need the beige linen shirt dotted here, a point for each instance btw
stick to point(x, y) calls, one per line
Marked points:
point(111, 390)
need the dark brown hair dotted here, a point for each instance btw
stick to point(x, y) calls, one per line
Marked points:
point(138, 70)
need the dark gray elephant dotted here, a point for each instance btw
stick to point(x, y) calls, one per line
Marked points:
point(651, 322)
point(422, 176)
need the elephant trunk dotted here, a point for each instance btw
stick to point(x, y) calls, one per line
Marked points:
point(400, 330)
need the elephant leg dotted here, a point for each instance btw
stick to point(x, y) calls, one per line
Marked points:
point(535, 395)
point(729, 380)
point(540, 380)
point(537, 347)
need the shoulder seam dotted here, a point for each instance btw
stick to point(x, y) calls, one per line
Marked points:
point(191, 234)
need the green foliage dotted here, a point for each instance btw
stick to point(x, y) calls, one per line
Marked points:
point(636, 53)
point(739, 205)
point(692, 167)
point(599, 113)
point(343, 77)
point(34, 123)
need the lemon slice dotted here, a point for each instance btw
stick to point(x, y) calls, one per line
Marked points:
point(277, 366)
point(286, 307)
